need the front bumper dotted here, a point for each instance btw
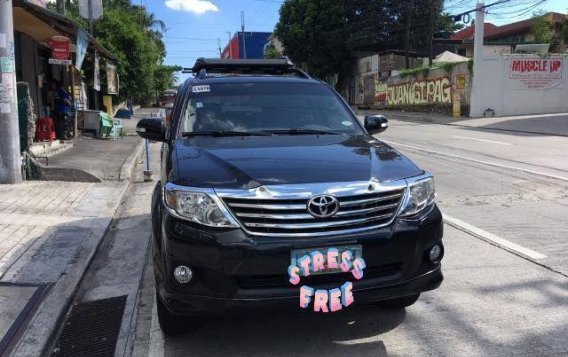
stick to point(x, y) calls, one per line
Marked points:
point(234, 270)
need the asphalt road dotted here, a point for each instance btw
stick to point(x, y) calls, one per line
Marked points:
point(505, 200)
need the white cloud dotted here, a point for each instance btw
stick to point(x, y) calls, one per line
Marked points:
point(196, 6)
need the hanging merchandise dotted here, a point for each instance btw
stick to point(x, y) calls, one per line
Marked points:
point(96, 9)
point(82, 45)
point(97, 74)
point(112, 79)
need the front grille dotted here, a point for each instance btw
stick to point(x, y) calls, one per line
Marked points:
point(281, 281)
point(291, 217)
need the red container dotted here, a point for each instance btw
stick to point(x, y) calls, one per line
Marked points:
point(45, 130)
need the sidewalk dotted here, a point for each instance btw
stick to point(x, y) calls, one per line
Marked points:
point(49, 233)
point(96, 160)
point(542, 124)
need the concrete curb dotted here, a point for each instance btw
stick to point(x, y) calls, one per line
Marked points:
point(127, 168)
point(39, 335)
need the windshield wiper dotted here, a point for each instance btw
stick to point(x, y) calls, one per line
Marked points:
point(301, 132)
point(223, 133)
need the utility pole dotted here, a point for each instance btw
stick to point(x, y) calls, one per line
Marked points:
point(90, 2)
point(10, 158)
point(230, 46)
point(433, 7)
point(243, 33)
point(477, 86)
point(407, 39)
point(219, 46)
point(60, 4)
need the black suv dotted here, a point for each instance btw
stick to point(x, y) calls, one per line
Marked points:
point(262, 166)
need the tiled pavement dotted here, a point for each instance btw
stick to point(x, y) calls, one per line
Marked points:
point(49, 232)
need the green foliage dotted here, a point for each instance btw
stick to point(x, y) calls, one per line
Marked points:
point(324, 36)
point(272, 53)
point(420, 71)
point(542, 29)
point(134, 36)
point(165, 77)
point(315, 34)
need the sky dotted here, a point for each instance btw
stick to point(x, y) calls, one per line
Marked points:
point(194, 27)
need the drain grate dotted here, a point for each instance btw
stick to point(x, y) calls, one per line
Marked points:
point(91, 329)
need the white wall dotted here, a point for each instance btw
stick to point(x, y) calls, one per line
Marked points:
point(506, 94)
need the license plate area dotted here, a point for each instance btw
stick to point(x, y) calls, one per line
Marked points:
point(356, 251)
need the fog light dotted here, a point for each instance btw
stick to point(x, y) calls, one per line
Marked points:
point(435, 253)
point(183, 274)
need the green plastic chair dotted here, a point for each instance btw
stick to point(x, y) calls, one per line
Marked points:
point(106, 125)
point(117, 128)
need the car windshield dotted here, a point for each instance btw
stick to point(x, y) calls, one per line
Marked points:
point(278, 108)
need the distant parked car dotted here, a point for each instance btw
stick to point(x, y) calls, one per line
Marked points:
point(169, 96)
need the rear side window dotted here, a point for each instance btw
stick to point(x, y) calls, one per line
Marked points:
point(265, 106)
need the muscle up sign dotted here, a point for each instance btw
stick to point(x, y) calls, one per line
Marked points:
point(528, 72)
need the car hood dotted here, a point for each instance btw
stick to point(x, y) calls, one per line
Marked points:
point(249, 162)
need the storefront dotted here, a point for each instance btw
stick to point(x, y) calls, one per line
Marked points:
point(43, 59)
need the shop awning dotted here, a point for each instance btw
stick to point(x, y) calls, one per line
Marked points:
point(41, 24)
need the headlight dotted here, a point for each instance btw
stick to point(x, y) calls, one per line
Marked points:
point(420, 195)
point(198, 207)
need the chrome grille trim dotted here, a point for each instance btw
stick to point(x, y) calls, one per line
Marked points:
point(317, 225)
point(370, 200)
point(268, 207)
point(281, 211)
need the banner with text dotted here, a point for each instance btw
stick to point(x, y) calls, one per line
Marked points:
point(535, 73)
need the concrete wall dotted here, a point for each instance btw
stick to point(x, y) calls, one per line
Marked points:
point(434, 91)
point(522, 84)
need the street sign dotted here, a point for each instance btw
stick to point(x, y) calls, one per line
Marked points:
point(461, 81)
point(96, 9)
point(60, 62)
point(59, 47)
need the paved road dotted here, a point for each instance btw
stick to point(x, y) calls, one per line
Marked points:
point(506, 265)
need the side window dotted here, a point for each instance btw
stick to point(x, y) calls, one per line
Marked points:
point(189, 117)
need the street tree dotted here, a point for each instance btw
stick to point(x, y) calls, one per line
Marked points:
point(325, 35)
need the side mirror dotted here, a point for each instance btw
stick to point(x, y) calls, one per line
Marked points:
point(376, 124)
point(151, 129)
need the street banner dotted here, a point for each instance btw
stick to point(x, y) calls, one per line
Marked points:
point(96, 9)
point(112, 78)
point(59, 47)
point(97, 74)
point(534, 72)
point(82, 45)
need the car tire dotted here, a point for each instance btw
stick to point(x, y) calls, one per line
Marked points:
point(170, 324)
point(398, 303)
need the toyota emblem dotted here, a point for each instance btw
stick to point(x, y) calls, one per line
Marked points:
point(323, 206)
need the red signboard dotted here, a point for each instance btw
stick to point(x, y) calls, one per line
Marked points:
point(59, 47)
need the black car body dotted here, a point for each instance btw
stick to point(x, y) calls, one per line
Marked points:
point(254, 188)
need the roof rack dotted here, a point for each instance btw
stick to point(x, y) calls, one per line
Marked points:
point(283, 66)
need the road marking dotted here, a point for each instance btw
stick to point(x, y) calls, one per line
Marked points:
point(484, 140)
point(492, 238)
point(156, 335)
point(479, 161)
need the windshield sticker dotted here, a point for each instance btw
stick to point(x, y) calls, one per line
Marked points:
point(326, 300)
point(199, 105)
point(347, 123)
point(201, 89)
